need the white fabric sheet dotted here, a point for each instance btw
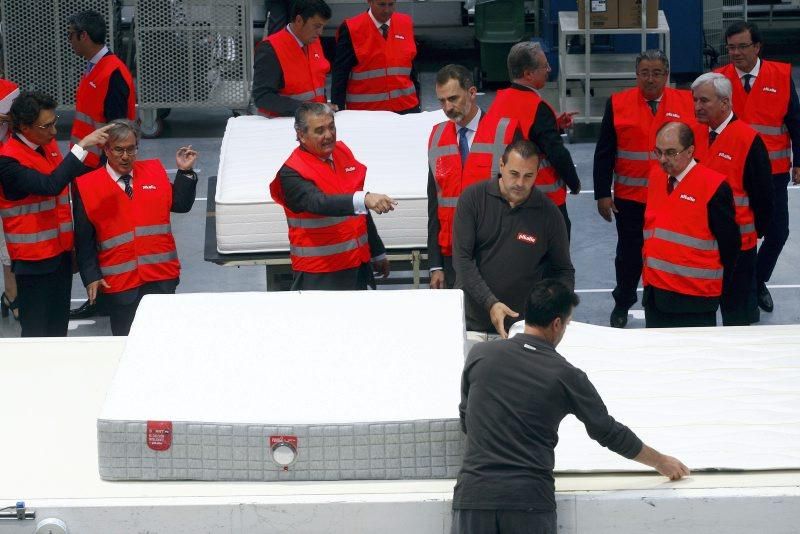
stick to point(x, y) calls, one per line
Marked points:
point(393, 147)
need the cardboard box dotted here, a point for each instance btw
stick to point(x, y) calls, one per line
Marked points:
point(630, 13)
point(603, 13)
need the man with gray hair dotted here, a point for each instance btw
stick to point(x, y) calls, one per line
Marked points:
point(623, 156)
point(528, 71)
point(123, 236)
point(731, 147)
point(333, 242)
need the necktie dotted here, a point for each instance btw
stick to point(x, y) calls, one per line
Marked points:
point(88, 68)
point(385, 30)
point(747, 82)
point(40, 150)
point(712, 136)
point(671, 183)
point(463, 144)
point(653, 106)
point(126, 179)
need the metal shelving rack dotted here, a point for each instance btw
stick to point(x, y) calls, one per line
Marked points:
point(587, 66)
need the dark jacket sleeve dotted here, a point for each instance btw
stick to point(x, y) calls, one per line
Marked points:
point(342, 65)
point(375, 242)
point(588, 407)
point(559, 263)
point(544, 133)
point(85, 241)
point(465, 229)
point(792, 122)
point(434, 252)
point(722, 222)
point(758, 184)
point(302, 195)
point(605, 155)
point(116, 104)
point(184, 190)
point(19, 181)
point(268, 80)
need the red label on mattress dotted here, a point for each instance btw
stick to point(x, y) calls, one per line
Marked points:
point(159, 435)
point(277, 440)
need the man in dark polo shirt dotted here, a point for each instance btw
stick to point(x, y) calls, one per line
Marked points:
point(506, 237)
point(514, 395)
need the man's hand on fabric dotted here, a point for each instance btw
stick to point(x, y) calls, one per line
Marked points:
point(498, 314)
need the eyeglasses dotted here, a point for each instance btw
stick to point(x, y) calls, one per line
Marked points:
point(119, 151)
point(670, 153)
point(48, 125)
point(738, 48)
point(651, 74)
point(70, 33)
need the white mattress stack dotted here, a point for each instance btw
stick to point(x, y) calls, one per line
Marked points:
point(287, 386)
point(393, 147)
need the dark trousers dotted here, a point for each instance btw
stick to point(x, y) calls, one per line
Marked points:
point(449, 272)
point(738, 302)
point(355, 279)
point(563, 209)
point(777, 233)
point(44, 301)
point(121, 315)
point(503, 522)
point(655, 318)
point(628, 261)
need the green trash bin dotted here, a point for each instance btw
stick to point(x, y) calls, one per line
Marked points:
point(499, 24)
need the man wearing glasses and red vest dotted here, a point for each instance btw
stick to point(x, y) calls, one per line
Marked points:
point(106, 90)
point(623, 156)
point(731, 147)
point(123, 235)
point(765, 97)
point(461, 151)
point(374, 66)
point(333, 242)
point(37, 219)
point(691, 239)
point(528, 70)
point(290, 66)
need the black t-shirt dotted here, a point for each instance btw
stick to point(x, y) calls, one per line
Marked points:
point(514, 394)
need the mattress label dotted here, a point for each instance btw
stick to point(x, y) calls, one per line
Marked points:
point(159, 435)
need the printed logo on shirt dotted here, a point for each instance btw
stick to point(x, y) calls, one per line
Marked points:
point(673, 115)
point(53, 154)
point(526, 238)
point(723, 155)
point(148, 187)
point(349, 169)
point(770, 89)
point(688, 197)
point(93, 85)
point(399, 37)
point(529, 347)
point(316, 56)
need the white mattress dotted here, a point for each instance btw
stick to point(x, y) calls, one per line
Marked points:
point(367, 382)
point(393, 147)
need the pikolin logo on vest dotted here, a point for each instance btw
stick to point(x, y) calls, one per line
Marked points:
point(690, 198)
point(723, 155)
point(399, 37)
point(349, 169)
point(93, 85)
point(316, 56)
point(673, 115)
point(526, 238)
point(770, 90)
point(148, 187)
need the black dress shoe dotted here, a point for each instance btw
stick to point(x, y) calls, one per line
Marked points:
point(619, 317)
point(764, 298)
point(85, 311)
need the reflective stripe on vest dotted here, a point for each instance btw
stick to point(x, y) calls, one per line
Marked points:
point(770, 130)
point(140, 231)
point(446, 202)
point(632, 181)
point(379, 73)
point(780, 154)
point(747, 228)
point(682, 239)
point(329, 250)
point(37, 237)
point(633, 154)
point(129, 266)
point(321, 222)
point(27, 209)
point(551, 188)
point(741, 201)
point(380, 97)
point(682, 270)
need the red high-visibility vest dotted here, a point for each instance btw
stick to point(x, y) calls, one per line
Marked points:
point(483, 162)
point(303, 74)
point(727, 156)
point(90, 103)
point(764, 108)
point(319, 243)
point(636, 128)
point(522, 105)
point(381, 80)
point(37, 227)
point(134, 237)
point(680, 252)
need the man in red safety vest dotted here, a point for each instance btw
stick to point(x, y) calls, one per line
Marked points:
point(333, 242)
